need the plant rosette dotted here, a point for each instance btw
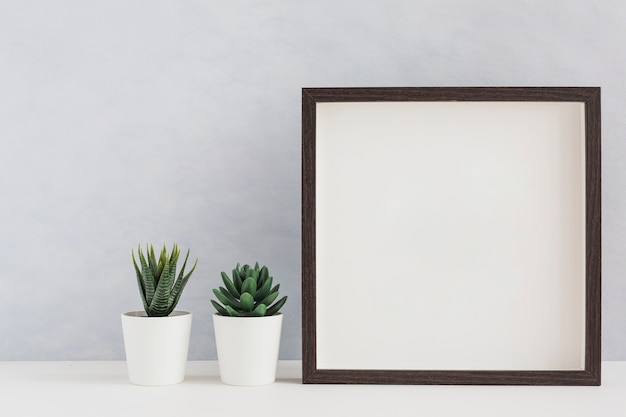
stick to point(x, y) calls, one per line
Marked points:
point(248, 326)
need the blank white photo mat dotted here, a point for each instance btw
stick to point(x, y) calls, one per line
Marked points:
point(450, 235)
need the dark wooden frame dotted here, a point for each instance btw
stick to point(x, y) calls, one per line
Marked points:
point(590, 96)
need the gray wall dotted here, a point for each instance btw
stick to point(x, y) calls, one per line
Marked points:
point(126, 122)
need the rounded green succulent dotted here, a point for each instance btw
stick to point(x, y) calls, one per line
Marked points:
point(248, 294)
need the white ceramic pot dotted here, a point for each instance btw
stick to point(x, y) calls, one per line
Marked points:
point(247, 348)
point(156, 347)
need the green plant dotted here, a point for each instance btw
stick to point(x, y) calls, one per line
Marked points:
point(159, 288)
point(248, 294)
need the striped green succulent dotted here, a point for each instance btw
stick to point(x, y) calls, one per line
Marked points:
point(159, 288)
point(248, 294)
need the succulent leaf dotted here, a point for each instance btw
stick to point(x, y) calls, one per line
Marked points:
point(247, 301)
point(181, 281)
point(269, 299)
point(230, 285)
point(180, 284)
point(259, 310)
point(249, 286)
point(263, 275)
point(174, 255)
point(274, 309)
point(148, 278)
point(220, 309)
point(142, 287)
point(264, 290)
point(152, 261)
point(237, 279)
point(226, 299)
point(161, 263)
point(232, 312)
point(160, 302)
point(173, 260)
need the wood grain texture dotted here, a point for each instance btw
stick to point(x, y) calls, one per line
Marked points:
point(591, 375)
point(577, 94)
point(308, 237)
point(395, 377)
point(593, 233)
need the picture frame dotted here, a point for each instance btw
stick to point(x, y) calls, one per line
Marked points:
point(451, 235)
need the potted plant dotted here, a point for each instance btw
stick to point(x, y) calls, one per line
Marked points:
point(248, 326)
point(156, 340)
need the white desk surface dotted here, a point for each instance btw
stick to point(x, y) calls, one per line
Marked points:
point(101, 388)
